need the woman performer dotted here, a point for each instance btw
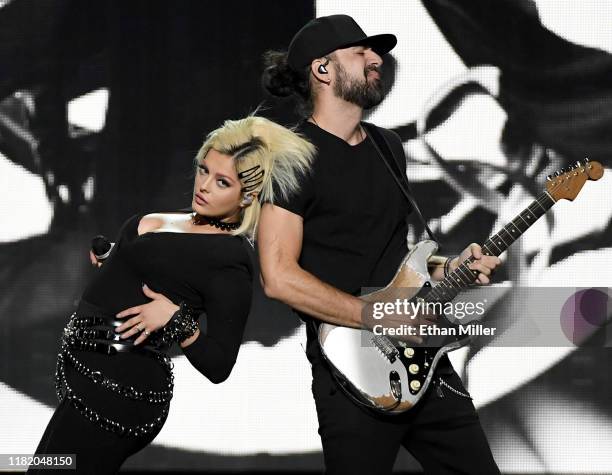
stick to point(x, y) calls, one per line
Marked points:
point(113, 379)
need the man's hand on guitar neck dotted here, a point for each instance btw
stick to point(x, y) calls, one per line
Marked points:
point(485, 265)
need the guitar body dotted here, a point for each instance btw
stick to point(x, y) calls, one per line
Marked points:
point(390, 379)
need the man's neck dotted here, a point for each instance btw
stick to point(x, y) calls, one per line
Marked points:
point(341, 119)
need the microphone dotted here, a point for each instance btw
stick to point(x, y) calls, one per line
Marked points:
point(101, 247)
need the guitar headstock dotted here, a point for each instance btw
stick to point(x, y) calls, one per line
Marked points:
point(567, 182)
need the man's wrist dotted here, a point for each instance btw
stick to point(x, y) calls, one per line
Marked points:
point(450, 265)
point(366, 319)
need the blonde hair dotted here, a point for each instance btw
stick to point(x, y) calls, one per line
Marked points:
point(264, 153)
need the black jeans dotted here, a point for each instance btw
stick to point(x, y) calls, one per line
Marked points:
point(442, 433)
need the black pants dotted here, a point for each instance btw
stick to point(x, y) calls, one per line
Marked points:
point(97, 450)
point(442, 433)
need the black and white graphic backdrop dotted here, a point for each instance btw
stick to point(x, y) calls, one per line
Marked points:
point(104, 103)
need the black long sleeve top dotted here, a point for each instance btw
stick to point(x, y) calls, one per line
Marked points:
point(210, 272)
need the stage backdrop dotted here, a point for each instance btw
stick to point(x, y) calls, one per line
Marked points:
point(104, 104)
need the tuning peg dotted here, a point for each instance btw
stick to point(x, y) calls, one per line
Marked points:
point(578, 164)
point(586, 160)
point(549, 177)
point(556, 173)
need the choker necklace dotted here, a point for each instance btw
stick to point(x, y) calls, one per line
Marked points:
point(217, 223)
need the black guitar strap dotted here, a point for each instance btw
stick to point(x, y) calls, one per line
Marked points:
point(381, 143)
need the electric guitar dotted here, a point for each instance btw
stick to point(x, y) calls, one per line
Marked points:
point(390, 375)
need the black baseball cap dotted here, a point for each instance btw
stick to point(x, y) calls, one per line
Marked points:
point(325, 34)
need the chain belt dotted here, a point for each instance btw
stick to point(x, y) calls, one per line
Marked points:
point(454, 390)
point(96, 333)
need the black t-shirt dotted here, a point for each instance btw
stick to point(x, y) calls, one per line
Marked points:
point(354, 214)
point(354, 217)
point(211, 272)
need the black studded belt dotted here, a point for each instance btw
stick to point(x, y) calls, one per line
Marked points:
point(90, 329)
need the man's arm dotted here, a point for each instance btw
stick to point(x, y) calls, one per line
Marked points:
point(280, 243)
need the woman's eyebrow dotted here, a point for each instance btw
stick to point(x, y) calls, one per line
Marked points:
point(203, 164)
point(226, 177)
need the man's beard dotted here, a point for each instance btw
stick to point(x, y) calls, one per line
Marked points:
point(364, 94)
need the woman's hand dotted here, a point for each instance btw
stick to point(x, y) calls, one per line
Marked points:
point(93, 260)
point(147, 318)
point(100, 241)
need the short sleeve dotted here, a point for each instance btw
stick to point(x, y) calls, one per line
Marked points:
point(297, 201)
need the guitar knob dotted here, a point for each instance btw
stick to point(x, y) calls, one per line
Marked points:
point(586, 160)
point(415, 385)
point(556, 173)
point(549, 177)
point(413, 368)
point(408, 352)
point(578, 164)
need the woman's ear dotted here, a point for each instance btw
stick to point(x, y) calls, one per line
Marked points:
point(248, 198)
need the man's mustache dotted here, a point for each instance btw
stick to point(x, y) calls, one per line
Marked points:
point(372, 67)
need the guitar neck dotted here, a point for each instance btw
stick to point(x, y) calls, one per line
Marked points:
point(463, 276)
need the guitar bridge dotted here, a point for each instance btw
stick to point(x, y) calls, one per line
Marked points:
point(385, 347)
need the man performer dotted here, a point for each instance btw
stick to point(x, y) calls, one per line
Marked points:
point(346, 229)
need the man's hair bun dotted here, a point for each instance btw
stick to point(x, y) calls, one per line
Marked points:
point(279, 79)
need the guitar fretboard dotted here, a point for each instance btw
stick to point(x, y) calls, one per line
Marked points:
point(463, 276)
